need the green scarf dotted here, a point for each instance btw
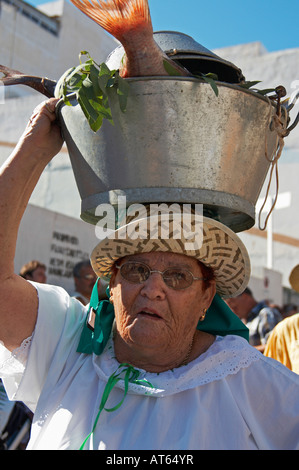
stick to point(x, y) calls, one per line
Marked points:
point(219, 320)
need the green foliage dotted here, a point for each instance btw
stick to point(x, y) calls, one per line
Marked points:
point(91, 82)
point(170, 69)
point(210, 78)
point(248, 85)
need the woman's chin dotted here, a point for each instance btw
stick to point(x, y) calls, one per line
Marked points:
point(146, 333)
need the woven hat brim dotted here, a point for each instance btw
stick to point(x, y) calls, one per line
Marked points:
point(294, 278)
point(221, 249)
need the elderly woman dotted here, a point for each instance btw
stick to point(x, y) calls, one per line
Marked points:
point(163, 365)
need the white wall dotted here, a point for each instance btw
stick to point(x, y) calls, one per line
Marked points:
point(30, 48)
point(57, 241)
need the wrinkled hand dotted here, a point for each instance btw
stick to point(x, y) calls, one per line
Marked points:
point(42, 137)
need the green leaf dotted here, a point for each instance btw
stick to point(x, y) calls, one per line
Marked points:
point(266, 91)
point(211, 82)
point(102, 81)
point(212, 76)
point(170, 69)
point(104, 70)
point(59, 89)
point(83, 53)
point(248, 85)
point(106, 77)
point(84, 99)
point(94, 119)
point(123, 91)
point(94, 75)
point(76, 80)
point(210, 79)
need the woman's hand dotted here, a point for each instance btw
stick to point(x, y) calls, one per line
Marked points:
point(42, 137)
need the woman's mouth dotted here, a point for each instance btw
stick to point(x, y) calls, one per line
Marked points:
point(150, 314)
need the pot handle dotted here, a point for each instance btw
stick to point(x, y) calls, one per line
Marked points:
point(40, 84)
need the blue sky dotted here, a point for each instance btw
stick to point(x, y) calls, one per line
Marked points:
point(219, 23)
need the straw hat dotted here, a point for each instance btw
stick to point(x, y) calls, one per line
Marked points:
point(294, 278)
point(215, 245)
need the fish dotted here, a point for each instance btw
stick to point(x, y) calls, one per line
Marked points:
point(40, 84)
point(129, 21)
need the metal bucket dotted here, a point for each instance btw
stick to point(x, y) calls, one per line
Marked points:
point(176, 142)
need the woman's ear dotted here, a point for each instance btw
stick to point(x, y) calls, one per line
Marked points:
point(112, 281)
point(112, 284)
point(209, 294)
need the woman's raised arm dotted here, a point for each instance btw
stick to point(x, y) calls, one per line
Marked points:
point(19, 175)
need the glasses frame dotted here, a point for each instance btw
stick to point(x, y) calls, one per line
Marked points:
point(88, 277)
point(151, 271)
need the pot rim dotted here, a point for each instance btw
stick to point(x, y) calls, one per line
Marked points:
point(200, 81)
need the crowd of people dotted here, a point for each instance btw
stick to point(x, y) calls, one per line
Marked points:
point(273, 329)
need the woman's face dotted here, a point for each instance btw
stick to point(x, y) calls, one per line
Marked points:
point(154, 316)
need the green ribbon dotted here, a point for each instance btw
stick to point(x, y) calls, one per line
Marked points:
point(131, 376)
point(219, 320)
point(96, 340)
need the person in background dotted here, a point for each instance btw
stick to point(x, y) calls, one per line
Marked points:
point(283, 342)
point(84, 279)
point(289, 309)
point(259, 318)
point(34, 271)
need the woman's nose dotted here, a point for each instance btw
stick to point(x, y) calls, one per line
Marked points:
point(154, 286)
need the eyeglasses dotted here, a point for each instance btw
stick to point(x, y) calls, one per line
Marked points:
point(89, 277)
point(176, 278)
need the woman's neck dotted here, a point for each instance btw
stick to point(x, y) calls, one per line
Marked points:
point(157, 361)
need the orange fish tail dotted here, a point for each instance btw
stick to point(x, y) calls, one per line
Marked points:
point(118, 17)
point(130, 22)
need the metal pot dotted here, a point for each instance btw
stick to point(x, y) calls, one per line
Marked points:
point(184, 50)
point(176, 142)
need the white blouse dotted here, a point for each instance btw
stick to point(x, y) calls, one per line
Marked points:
point(231, 397)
